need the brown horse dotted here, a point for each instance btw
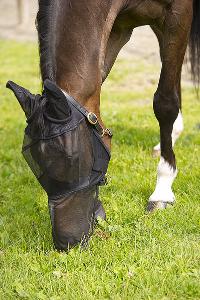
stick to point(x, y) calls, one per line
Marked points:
point(79, 42)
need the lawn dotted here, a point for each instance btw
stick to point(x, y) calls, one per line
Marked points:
point(134, 255)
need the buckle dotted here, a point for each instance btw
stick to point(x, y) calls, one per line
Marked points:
point(92, 118)
point(108, 132)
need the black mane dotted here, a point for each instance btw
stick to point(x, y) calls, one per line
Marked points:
point(45, 26)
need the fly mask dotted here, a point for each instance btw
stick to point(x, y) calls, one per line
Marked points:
point(63, 147)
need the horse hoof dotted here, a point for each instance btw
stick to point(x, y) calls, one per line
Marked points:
point(156, 205)
point(156, 153)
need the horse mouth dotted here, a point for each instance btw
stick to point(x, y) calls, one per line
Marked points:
point(73, 218)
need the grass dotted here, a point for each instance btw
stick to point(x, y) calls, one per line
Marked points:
point(134, 256)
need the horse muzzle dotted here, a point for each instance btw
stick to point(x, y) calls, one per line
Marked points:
point(73, 218)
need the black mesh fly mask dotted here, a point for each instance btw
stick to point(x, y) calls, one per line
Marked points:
point(63, 147)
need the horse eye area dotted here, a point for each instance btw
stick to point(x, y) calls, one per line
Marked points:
point(59, 157)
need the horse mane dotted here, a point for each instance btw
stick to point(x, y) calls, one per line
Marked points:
point(46, 37)
point(194, 45)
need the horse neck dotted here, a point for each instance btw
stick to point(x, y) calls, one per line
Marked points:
point(70, 52)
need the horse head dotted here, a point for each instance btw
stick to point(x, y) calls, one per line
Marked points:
point(68, 157)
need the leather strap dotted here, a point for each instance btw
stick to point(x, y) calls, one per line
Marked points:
point(91, 117)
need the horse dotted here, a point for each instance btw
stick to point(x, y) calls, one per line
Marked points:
point(67, 144)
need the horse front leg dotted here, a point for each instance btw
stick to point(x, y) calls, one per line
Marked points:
point(167, 102)
point(166, 110)
point(178, 124)
point(176, 132)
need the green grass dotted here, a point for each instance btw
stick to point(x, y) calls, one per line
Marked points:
point(135, 255)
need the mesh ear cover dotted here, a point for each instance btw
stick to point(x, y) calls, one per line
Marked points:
point(57, 106)
point(29, 102)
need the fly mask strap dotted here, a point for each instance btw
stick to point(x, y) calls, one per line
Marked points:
point(91, 117)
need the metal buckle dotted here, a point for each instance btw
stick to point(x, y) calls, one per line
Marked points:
point(108, 132)
point(92, 118)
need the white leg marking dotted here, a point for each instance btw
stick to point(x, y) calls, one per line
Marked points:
point(177, 130)
point(157, 147)
point(165, 177)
